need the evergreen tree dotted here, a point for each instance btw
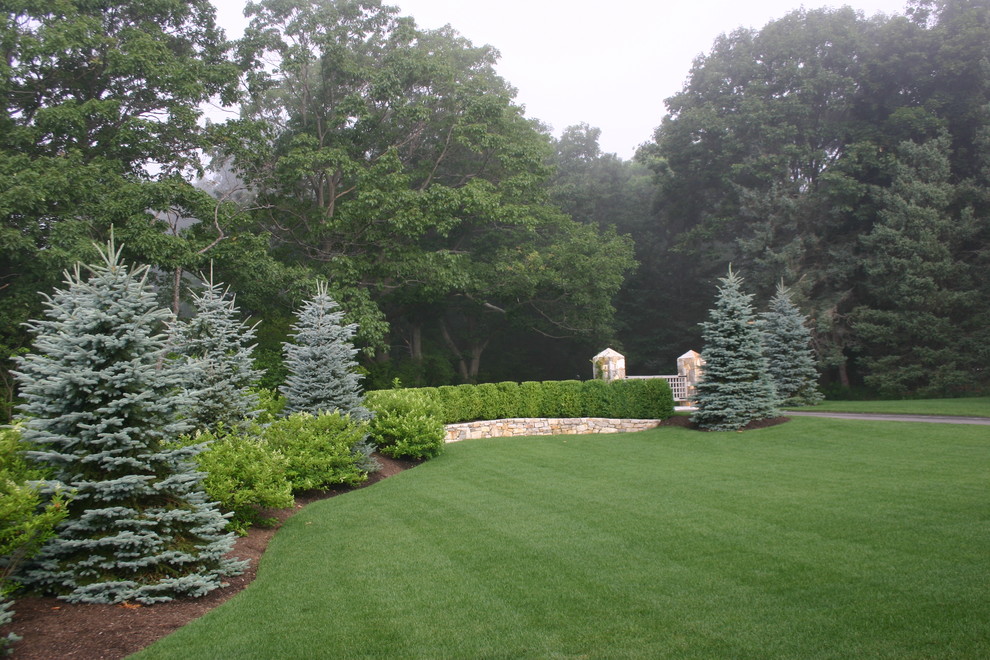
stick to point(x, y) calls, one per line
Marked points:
point(101, 404)
point(786, 345)
point(320, 359)
point(923, 299)
point(218, 343)
point(736, 387)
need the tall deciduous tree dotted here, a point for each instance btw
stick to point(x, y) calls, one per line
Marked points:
point(774, 155)
point(99, 109)
point(736, 387)
point(604, 191)
point(393, 161)
point(101, 412)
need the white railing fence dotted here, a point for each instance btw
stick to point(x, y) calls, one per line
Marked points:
point(678, 385)
point(611, 365)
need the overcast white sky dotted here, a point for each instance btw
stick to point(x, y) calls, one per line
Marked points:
point(609, 63)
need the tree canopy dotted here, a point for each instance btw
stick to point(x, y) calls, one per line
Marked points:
point(841, 153)
point(846, 155)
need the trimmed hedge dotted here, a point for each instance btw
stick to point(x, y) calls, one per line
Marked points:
point(623, 399)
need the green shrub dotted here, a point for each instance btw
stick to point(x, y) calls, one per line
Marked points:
point(451, 401)
point(550, 397)
point(625, 399)
point(634, 399)
point(597, 399)
point(271, 404)
point(407, 401)
point(25, 523)
point(472, 403)
point(406, 424)
point(569, 400)
point(492, 402)
point(408, 436)
point(319, 449)
point(244, 475)
point(508, 395)
point(530, 399)
point(648, 398)
point(658, 399)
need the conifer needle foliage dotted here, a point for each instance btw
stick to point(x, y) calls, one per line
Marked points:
point(787, 347)
point(736, 387)
point(101, 408)
point(320, 359)
point(219, 345)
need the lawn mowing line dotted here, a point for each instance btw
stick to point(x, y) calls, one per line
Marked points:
point(595, 570)
point(841, 552)
point(715, 551)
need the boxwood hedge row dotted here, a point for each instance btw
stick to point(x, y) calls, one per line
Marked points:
point(626, 399)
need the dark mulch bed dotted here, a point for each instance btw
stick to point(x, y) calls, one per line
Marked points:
point(52, 628)
point(684, 421)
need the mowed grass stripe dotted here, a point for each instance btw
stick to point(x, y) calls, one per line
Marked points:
point(814, 539)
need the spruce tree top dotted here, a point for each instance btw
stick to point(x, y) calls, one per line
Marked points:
point(96, 362)
point(735, 387)
point(218, 344)
point(102, 400)
point(787, 346)
point(320, 360)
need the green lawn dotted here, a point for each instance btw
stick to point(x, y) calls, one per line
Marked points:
point(969, 407)
point(814, 539)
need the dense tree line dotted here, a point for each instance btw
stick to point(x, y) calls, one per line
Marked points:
point(843, 155)
point(847, 157)
point(389, 160)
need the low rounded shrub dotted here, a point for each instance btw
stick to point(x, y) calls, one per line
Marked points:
point(244, 475)
point(563, 398)
point(271, 405)
point(319, 449)
point(406, 423)
point(408, 436)
point(597, 399)
point(452, 405)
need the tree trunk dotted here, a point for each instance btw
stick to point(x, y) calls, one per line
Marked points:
point(476, 352)
point(416, 343)
point(176, 290)
point(844, 373)
point(462, 367)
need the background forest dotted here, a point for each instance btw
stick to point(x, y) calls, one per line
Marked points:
point(847, 156)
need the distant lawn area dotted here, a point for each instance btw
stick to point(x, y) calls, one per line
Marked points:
point(969, 407)
point(813, 539)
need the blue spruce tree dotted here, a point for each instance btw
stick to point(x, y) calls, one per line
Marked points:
point(320, 360)
point(101, 401)
point(735, 388)
point(787, 347)
point(218, 344)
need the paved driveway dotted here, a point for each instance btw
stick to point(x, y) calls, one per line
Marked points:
point(932, 419)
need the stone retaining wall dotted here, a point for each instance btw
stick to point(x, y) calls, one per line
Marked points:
point(500, 428)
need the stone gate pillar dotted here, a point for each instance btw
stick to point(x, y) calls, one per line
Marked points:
point(609, 365)
point(690, 366)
